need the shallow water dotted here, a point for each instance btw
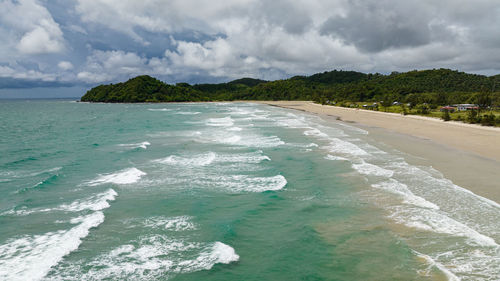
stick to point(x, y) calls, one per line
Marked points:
point(225, 191)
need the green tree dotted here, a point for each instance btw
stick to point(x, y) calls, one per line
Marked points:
point(423, 109)
point(488, 120)
point(446, 115)
point(472, 116)
point(483, 100)
point(404, 109)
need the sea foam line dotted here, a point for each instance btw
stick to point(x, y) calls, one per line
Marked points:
point(161, 109)
point(209, 158)
point(151, 258)
point(143, 145)
point(31, 257)
point(195, 161)
point(94, 203)
point(432, 263)
point(220, 122)
point(180, 223)
point(126, 176)
point(396, 187)
point(372, 170)
point(437, 222)
point(244, 183)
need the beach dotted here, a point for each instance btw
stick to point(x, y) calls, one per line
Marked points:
point(469, 155)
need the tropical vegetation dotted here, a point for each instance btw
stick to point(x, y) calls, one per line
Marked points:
point(415, 92)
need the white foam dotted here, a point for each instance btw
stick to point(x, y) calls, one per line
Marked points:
point(160, 109)
point(180, 223)
point(372, 170)
point(198, 160)
point(31, 257)
point(247, 140)
point(292, 123)
point(244, 183)
point(175, 134)
point(127, 176)
point(261, 142)
point(220, 122)
point(434, 221)
point(261, 184)
point(246, 111)
point(188, 112)
point(209, 158)
point(151, 258)
point(396, 187)
point(251, 158)
point(143, 145)
point(216, 253)
point(235, 129)
point(222, 253)
point(316, 133)
point(231, 140)
point(432, 263)
point(303, 145)
point(335, 158)
point(343, 147)
point(94, 203)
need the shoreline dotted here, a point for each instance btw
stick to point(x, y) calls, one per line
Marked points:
point(471, 138)
point(466, 154)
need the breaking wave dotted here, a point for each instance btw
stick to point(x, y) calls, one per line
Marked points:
point(127, 176)
point(143, 145)
point(150, 258)
point(31, 257)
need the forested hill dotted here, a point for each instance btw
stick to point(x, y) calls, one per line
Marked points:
point(438, 86)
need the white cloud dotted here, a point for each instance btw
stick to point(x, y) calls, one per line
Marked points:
point(26, 74)
point(256, 51)
point(109, 65)
point(159, 15)
point(231, 39)
point(91, 77)
point(65, 65)
point(40, 41)
point(32, 26)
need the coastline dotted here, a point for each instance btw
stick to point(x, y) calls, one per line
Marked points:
point(468, 155)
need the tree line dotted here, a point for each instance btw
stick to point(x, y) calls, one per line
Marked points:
point(433, 87)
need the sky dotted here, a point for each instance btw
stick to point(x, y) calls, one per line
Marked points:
point(54, 48)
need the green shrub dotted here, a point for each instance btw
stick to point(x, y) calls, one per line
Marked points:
point(488, 120)
point(473, 116)
point(446, 115)
point(423, 109)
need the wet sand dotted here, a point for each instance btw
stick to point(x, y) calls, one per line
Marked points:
point(469, 155)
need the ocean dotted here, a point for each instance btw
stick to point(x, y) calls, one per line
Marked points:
point(225, 191)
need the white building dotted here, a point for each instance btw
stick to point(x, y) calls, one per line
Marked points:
point(466, 106)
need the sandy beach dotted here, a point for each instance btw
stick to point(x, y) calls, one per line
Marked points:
point(469, 155)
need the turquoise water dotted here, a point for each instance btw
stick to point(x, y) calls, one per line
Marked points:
point(225, 191)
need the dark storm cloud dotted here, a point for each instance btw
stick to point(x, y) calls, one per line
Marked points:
point(86, 42)
point(293, 19)
point(373, 26)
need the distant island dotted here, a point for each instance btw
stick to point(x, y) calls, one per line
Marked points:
point(414, 92)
